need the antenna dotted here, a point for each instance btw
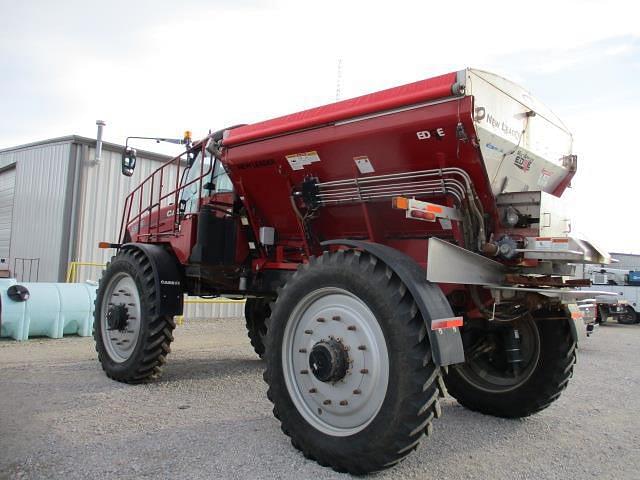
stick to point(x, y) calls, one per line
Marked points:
point(339, 80)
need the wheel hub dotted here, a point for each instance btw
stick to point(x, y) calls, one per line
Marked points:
point(329, 361)
point(120, 316)
point(503, 359)
point(335, 361)
point(117, 317)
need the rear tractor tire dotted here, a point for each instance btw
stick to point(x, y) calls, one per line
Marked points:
point(490, 382)
point(132, 340)
point(349, 364)
point(256, 312)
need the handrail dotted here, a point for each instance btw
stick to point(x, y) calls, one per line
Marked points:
point(158, 195)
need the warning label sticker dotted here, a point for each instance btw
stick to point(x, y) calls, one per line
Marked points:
point(552, 244)
point(543, 243)
point(364, 164)
point(298, 161)
point(560, 243)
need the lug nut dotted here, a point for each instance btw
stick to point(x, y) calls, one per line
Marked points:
point(320, 320)
point(362, 347)
point(343, 402)
point(351, 327)
point(308, 332)
point(304, 372)
point(357, 391)
point(364, 371)
point(327, 402)
point(336, 318)
point(313, 390)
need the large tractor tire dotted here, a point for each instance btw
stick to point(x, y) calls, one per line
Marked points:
point(256, 312)
point(489, 383)
point(629, 317)
point(132, 340)
point(349, 364)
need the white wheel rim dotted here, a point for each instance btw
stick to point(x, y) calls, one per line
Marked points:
point(121, 290)
point(347, 406)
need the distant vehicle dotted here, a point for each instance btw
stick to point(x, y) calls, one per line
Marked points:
point(625, 308)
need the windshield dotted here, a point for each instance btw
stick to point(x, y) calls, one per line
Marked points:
point(216, 182)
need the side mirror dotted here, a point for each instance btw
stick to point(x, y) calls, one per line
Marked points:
point(128, 161)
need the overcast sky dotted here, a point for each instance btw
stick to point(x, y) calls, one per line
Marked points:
point(160, 67)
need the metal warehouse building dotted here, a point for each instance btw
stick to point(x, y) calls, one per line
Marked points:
point(626, 261)
point(57, 202)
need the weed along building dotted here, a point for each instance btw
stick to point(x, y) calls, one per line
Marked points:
point(57, 201)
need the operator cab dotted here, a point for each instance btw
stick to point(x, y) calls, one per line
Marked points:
point(216, 182)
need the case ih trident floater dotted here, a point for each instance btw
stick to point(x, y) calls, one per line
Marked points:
point(388, 246)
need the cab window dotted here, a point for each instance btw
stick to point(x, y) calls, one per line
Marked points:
point(216, 182)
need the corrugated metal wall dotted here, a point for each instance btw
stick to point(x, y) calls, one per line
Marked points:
point(100, 204)
point(65, 203)
point(40, 206)
point(212, 309)
point(626, 261)
point(7, 188)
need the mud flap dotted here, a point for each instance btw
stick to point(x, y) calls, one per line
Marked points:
point(578, 327)
point(167, 275)
point(446, 343)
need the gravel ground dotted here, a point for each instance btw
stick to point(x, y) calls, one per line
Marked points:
point(208, 417)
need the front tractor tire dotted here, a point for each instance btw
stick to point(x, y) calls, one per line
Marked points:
point(489, 383)
point(349, 365)
point(132, 340)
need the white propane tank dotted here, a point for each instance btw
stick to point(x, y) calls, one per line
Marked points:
point(46, 309)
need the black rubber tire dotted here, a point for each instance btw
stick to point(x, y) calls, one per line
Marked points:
point(629, 317)
point(541, 389)
point(153, 344)
point(415, 382)
point(256, 312)
point(602, 315)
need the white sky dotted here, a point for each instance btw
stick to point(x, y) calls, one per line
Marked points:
point(159, 67)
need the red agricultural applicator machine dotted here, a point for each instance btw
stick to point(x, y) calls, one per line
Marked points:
point(389, 246)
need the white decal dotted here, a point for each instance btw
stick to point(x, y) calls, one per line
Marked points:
point(427, 134)
point(364, 164)
point(298, 161)
point(544, 177)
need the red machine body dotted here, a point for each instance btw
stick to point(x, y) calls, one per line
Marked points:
point(375, 240)
point(389, 141)
point(392, 135)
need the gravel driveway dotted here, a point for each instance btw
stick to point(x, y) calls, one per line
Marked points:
point(208, 417)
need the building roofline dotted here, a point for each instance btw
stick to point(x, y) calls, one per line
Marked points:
point(78, 139)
